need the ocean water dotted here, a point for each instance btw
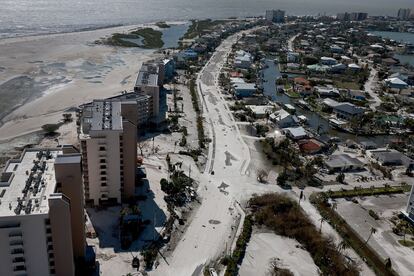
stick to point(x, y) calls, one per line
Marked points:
point(30, 17)
point(397, 36)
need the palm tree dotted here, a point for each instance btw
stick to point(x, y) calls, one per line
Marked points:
point(373, 231)
point(334, 206)
point(342, 246)
point(322, 220)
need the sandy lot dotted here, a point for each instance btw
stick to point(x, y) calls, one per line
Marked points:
point(263, 247)
point(384, 241)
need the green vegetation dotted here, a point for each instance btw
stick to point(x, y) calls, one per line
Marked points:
point(261, 130)
point(162, 25)
point(373, 214)
point(198, 27)
point(352, 238)
point(236, 258)
point(292, 94)
point(50, 129)
point(200, 127)
point(347, 85)
point(406, 243)
point(372, 191)
point(286, 218)
point(67, 117)
point(151, 39)
point(183, 141)
point(277, 271)
point(150, 255)
point(283, 154)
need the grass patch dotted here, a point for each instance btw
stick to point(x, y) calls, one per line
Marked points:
point(406, 243)
point(347, 85)
point(196, 106)
point(373, 191)
point(198, 27)
point(151, 39)
point(233, 262)
point(286, 218)
point(293, 94)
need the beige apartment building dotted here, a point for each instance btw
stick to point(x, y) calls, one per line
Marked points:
point(108, 136)
point(150, 83)
point(41, 213)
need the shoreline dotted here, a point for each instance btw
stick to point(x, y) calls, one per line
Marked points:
point(45, 75)
point(14, 39)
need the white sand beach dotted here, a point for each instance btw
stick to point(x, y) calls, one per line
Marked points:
point(65, 70)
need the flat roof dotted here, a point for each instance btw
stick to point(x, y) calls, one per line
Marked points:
point(28, 183)
point(245, 86)
point(68, 159)
point(340, 160)
point(101, 115)
point(146, 78)
point(296, 131)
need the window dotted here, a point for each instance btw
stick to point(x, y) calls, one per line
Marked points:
point(103, 178)
point(102, 167)
point(18, 260)
point(101, 148)
point(102, 161)
point(17, 251)
point(103, 184)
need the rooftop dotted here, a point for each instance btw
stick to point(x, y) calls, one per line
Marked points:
point(296, 131)
point(27, 183)
point(340, 160)
point(147, 78)
point(101, 115)
point(245, 86)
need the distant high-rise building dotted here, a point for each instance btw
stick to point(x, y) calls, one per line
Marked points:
point(108, 136)
point(343, 16)
point(353, 16)
point(42, 225)
point(404, 14)
point(276, 16)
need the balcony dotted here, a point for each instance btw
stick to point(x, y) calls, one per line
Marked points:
point(16, 234)
point(16, 246)
point(19, 269)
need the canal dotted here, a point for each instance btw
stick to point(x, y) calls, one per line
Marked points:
point(271, 73)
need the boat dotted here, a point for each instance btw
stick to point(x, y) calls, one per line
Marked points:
point(290, 108)
point(303, 104)
point(303, 119)
point(337, 124)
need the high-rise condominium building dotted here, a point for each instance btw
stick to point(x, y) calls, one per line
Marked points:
point(404, 14)
point(277, 16)
point(42, 225)
point(353, 16)
point(108, 136)
point(150, 83)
